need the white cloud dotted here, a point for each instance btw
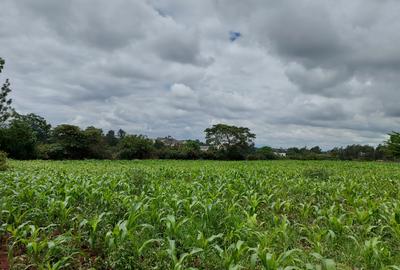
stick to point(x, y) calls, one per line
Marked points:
point(301, 73)
point(179, 90)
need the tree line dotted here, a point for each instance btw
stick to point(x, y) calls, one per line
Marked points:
point(30, 136)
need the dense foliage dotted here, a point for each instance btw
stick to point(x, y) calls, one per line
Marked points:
point(18, 140)
point(230, 142)
point(135, 147)
point(31, 137)
point(394, 144)
point(201, 214)
point(5, 102)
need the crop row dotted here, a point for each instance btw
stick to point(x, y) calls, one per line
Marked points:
point(204, 215)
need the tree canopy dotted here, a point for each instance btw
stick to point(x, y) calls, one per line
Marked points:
point(38, 124)
point(393, 144)
point(225, 136)
point(230, 142)
point(5, 102)
point(18, 140)
point(135, 147)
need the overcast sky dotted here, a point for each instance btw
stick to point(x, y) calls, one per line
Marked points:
point(297, 73)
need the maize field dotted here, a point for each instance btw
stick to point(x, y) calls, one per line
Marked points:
point(200, 215)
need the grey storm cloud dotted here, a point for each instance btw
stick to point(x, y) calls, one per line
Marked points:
point(296, 72)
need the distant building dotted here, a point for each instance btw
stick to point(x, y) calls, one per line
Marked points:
point(280, 154)
point(204, 148)
point(170, 141)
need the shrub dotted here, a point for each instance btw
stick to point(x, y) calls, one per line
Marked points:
point(3, 161)
point(266, 152)
point(51, 151)
point(135, 147)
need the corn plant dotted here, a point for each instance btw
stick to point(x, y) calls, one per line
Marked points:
point(163, 214)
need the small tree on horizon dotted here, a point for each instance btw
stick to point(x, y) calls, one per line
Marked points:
point(135, 147)
point(6, 110)
point(393, 144)
point(231, 142)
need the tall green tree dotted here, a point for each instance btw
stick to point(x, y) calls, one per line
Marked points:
point(265, 152)
point(95, 141)
point(111, 139)
point(381, 152)
point(191, 149)
point(393, 144)
point(316, 150)
point(6, 110)
point(18, 140)
point(225, 136)
point(121, 133)
point(70, 141)
point(231, 142)
point(135, 147)
point(38, 124)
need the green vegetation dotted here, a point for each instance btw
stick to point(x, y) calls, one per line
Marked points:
point(31, 137)
point(394, 144)
point(135, 147)
point(230, 142)
point(201, 214)
point(5, 102)
point(3, 161)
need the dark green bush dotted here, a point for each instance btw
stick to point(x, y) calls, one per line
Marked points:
point(135, 147)
point(51, 151)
